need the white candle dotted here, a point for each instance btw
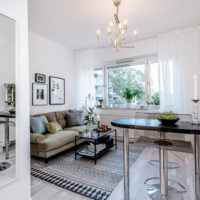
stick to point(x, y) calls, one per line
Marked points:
point(195, 86)
point(98, 118)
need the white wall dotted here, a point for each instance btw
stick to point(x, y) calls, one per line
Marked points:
point(87, 59)
point(52, 59)
point(20, 189)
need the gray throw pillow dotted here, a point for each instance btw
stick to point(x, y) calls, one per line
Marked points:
point(38, 124)
point(74, 118)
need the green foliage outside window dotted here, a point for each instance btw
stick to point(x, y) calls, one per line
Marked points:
point(131, 77)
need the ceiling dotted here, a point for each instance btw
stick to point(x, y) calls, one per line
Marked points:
point(74, 23)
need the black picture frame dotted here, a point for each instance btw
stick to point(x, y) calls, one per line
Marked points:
point(40, 78)
point(60, 99)
point(39, 102)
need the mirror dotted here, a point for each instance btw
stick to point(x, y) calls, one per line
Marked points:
point(7, 101)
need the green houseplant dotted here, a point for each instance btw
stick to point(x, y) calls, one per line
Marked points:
point(100, 103)
point(90, 116)
point(130, 94)
point(155, 99)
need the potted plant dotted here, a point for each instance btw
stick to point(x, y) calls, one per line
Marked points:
point(100, 103)
point(155, 100)
point(90, 116)
point(130, 95)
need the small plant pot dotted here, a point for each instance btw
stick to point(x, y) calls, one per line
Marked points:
point(128, 105)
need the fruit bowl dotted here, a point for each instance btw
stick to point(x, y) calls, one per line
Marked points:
point(168, 118)
point(169, 122)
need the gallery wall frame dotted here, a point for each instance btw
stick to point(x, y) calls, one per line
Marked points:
point(56, 90)
point(39, 94)
point(40, 78)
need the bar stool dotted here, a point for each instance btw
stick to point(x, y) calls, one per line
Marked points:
point(162, 189)
point(6, 165)
point(145, 115)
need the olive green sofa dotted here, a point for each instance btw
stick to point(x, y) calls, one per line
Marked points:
point(48, 145)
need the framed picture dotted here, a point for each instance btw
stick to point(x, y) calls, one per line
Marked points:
point(39, 94)
point(56, 91)
point(40, 78)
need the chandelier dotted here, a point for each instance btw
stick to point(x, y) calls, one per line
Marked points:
point(117, 31)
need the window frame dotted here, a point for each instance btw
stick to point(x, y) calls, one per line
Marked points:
point(147, 62)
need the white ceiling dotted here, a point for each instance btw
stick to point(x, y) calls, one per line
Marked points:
point(74, 23)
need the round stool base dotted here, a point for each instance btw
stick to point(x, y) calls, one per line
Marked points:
point(4, 166)
point(154, 194)
point(171, 165)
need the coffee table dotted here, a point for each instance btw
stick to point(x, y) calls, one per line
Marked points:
point(94, 137)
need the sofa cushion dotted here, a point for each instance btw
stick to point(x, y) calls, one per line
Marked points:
point(80, 129)
point(38, 124)
point(61, 118)
point(74, 119)
point(53, 141)
point(36, 138)
point(51, 117)
point(53, 127)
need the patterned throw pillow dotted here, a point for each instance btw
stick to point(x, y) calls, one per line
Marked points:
point(74, 118)
point(53, 127)
point(38, 124)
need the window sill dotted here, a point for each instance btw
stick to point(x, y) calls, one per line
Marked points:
point(132, 108)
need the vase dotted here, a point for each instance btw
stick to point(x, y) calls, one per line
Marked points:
point(89, 127)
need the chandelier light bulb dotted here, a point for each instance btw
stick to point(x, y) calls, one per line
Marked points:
point(135, 34)
point(111, 24)
point(125, 24)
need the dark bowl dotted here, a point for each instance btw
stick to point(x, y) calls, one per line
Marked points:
point(12, 112)
point(169, 122)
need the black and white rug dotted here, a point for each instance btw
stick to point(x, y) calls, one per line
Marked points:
point(82, 176)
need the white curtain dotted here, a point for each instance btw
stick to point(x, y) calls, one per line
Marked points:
point(84, 76)
point(179, 60)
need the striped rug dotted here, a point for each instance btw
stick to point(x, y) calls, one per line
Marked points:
point(82, 176)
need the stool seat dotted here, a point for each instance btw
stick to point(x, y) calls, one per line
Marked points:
point(170, 145)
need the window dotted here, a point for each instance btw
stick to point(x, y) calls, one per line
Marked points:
point(137, 75)
point(99, 83)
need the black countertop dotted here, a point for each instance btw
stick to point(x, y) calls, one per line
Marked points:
point(6, 115)
point(185, 127)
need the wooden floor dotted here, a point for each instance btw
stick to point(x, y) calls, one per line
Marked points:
point(140, 171)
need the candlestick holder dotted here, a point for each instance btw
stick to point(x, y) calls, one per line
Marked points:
point(195, 112)
point(98, 127)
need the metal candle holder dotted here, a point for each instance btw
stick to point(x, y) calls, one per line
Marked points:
point(195, 112)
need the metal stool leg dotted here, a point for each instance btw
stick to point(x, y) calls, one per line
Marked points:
point(161, 190)
point(7, 138)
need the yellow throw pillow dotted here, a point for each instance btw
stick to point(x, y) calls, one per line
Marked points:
point(53, 127)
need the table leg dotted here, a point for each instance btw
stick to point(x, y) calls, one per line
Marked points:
point(7, 137)
point(163, 173)
point(116, 139)
point(75, 149)
point(126, 164)
point(95, 153)
point(197, 166)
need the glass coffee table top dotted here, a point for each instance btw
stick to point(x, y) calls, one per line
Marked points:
point(94, 134)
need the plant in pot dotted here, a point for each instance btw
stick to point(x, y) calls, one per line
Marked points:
point(10, 97)
point(155, 100)
point(90, 116)
point(130, 95)
point(100, 103)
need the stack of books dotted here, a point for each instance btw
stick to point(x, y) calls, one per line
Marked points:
point(99, 147)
